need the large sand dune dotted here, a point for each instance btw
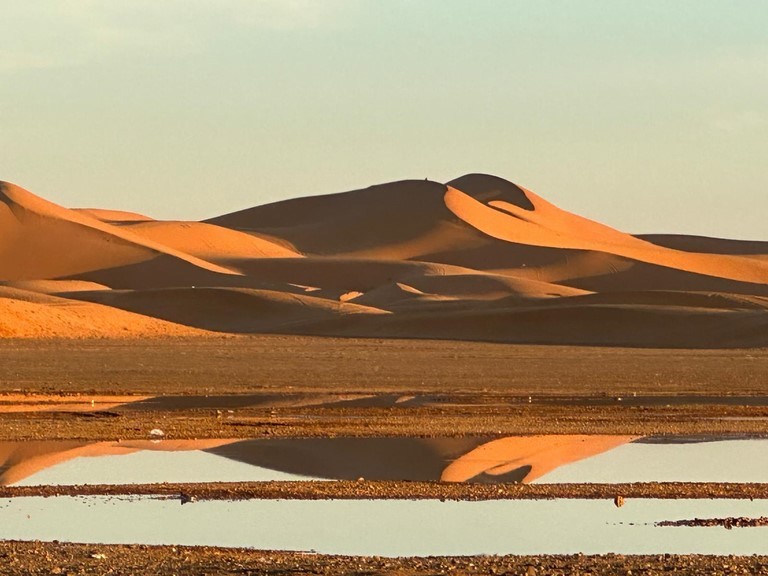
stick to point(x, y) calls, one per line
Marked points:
point(476, 258)
point(25, 314)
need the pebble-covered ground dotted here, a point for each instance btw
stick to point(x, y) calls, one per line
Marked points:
point(455, 388)
point(36, 558)
point(365, 489)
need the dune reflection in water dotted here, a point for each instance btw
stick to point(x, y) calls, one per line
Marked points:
point(541, 459)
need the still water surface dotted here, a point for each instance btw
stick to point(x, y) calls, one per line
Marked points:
point(390, 527)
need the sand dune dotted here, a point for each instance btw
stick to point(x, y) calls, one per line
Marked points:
point(55, 286)
point(462, 223)
point(465, 290)
point(476, 258)
point(703, 244)
point(639, 319)
point(113, 216)
point(603, 272)
point(209, 242)
point(229, 309)
point(547, 226)
point(485, 286)
point(25, 314)
point(377, 222)
point(578, 322)
point(40, 240)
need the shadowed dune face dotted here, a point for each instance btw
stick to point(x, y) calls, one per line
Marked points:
point(485, 188)
point(229, 309)
point(477, 258)
point(371, 221)
point(712, 245)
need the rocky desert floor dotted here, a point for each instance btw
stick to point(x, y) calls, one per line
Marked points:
point(22, 558)
point(289, 387)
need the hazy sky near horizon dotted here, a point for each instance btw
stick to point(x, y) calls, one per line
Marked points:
point(648, 116)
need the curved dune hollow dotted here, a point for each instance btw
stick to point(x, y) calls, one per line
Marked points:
point(476, 258)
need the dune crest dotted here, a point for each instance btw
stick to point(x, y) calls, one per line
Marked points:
point(477, 258)
point(209, 242)
point(39, 240)
point(548, 226)
point(113, 216)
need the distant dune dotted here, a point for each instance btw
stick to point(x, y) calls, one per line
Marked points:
point(477, 258)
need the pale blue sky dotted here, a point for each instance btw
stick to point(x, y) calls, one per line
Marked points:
point(649, 116)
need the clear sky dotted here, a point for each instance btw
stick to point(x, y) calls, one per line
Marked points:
point(649, 116)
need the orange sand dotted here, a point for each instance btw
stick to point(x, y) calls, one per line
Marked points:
point(477, 258)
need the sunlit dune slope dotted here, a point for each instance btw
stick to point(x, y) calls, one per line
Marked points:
point(113, 216)
point(488, 207)
point(53, 286)
point(41, 240)
point(25, 314)
point(209, 242)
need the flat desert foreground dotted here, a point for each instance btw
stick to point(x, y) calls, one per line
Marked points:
point(89, 397)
